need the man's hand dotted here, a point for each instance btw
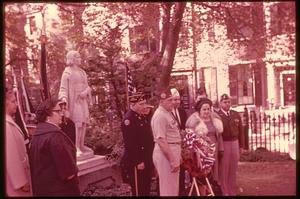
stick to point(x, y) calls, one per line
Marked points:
point(175, 167)
point(141, 166)
point(25, 188)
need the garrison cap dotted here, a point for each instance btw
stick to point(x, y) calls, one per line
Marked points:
point(224, 97)
point(174, 92)
point(165, 93)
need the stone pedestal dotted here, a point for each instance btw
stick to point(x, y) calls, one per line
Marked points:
point(85, 156)
point(97, 170)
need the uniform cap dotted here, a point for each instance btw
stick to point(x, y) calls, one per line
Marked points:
point(224, 97)
point(136, 97)
point(174, 92)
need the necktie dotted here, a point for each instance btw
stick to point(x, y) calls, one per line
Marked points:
point(228, 114)
point(176, 116)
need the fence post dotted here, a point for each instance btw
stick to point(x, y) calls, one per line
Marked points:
point(246, 128)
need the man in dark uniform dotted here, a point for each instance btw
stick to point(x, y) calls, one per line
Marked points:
point(233, 144)
point(138, 142)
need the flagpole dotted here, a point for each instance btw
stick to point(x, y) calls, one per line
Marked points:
point(25, 93)
point(43, 63)
point(19, 110)
point(126, 84)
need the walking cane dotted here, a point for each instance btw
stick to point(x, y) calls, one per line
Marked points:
point(136, 182)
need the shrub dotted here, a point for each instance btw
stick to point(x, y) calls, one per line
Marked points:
point(263, 155)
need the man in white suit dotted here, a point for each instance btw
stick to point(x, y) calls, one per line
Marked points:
point(16, 159)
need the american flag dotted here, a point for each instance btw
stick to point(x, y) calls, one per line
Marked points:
point(130, 85)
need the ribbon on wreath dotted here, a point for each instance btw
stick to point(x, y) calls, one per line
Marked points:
point(198, 153)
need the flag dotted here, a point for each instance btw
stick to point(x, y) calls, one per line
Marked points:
point(43, 68)
point(130, 88)
point(130, 85)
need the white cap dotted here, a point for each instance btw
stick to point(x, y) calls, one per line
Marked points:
point(174, 92)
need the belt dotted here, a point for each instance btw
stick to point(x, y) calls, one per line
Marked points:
point(179, 143)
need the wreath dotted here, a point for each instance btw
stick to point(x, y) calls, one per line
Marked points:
point(197, 153)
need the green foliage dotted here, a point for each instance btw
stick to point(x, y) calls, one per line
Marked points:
point(104, 135)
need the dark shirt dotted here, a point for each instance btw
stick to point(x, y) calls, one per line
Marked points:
point(52, 159)
point(232, 127)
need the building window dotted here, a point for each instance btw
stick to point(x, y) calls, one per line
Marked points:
point(282, 18)
point(180, 82)
point(141, 40)
point(245, 21)
point(241, 84)
point(211, 33)
point(32, 24)
point(289, 89)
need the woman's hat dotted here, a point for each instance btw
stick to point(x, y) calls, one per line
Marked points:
point(202, 101)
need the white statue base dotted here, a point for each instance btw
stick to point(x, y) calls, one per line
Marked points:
point(85, 155)
point(98, 169)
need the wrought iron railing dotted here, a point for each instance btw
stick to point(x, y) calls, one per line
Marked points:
point(273, 132)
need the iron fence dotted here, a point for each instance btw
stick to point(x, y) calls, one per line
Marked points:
point(273, 132)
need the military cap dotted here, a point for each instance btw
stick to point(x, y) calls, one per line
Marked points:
point(202, 101)
point(174, 92)
point(136, 97)
point(224, 97)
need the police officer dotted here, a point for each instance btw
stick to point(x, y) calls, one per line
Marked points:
point(138, 143)
point(233, 144)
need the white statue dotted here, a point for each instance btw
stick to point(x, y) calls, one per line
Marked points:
point(75, 91)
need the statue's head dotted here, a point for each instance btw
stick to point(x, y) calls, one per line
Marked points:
point(73, 58)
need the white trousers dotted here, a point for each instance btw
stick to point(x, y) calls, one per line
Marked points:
point(168, 181)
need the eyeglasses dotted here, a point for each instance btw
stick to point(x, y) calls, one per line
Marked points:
point(57, 110)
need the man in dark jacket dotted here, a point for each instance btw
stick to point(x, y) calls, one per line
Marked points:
point(233, 144)
point(138, 142)
point(52, 155)
point(180, 116)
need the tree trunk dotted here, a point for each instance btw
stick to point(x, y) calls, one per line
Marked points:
point(194, 48)
point(166, 8)
point(171, 44)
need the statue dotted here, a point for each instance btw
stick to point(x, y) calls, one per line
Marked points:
point(76, 93)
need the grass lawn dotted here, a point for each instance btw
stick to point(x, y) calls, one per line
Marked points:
point(267, 178)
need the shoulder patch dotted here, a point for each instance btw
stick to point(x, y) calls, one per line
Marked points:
point(126, 122)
